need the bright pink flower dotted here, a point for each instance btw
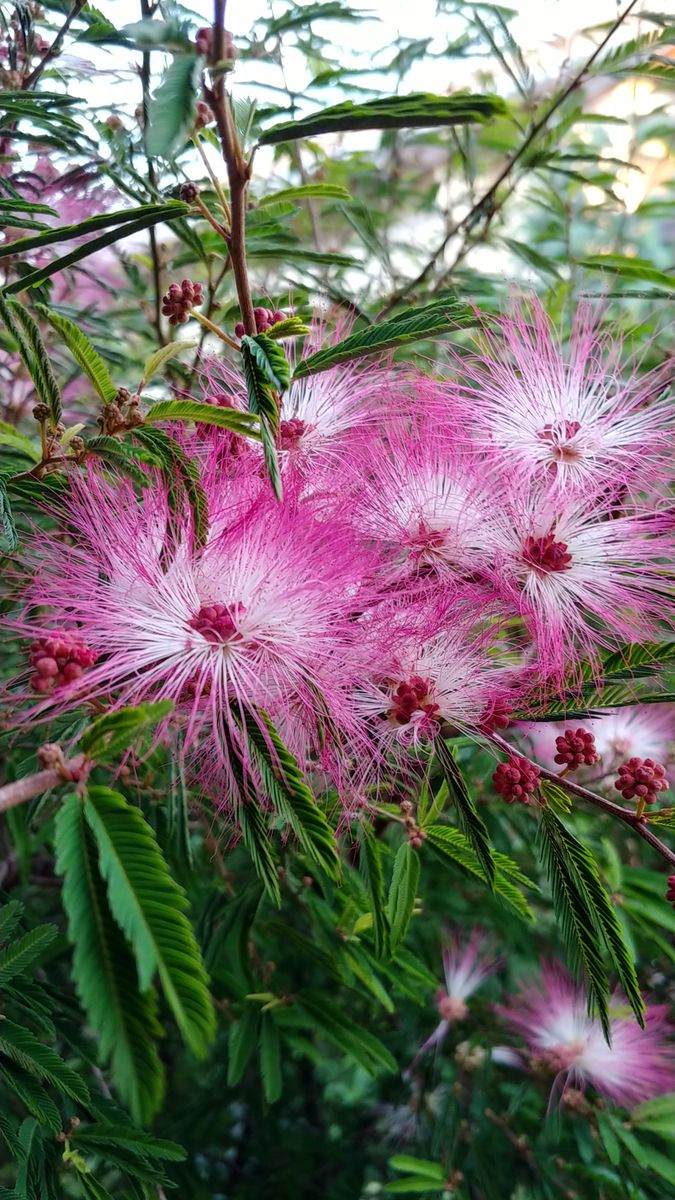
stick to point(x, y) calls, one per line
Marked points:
point(262, 618)
point(466, 967)
point(435, 664)
point(552, 1017)
point(571, 418)
point(585, 579)
point(644, 729)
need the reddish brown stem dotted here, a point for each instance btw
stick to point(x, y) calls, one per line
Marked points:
point(636, 823)
point(27, 789)
point(238, 170)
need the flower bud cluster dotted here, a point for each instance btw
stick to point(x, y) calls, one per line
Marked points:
point(641, 779)
point(179, 299)
point(517, 780)
point(59, 659)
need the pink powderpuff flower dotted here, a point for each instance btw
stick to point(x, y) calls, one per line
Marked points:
point(552, 1017)
point(435, 665)
point(261, 619)
point(584, 579)
point(466, 967)
point(570, 418)
point(428, 503)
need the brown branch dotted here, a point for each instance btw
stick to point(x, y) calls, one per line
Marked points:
point(55, 47)
point(486, 201)
point(28, 788)
point(238, 170)
point(630, 818)
point(147, 12)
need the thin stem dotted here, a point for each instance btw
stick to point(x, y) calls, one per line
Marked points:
point(486, 201)
point(27, 789)
point(197, 143)
point(55, 47)
point(636, 822)
point(238, 170)
point(214, 329)
point(147, 11)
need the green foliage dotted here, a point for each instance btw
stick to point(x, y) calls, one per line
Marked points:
point(173, 107)
point(181, 474)
point(111, 735)
point(205, 414)
point(29, 341)
point(470, 821)
point(262, 374)
point(409, 326)
point(392, 112)
point(85, 355)
point(104, 968)
point(150, 909)
point(402, 892)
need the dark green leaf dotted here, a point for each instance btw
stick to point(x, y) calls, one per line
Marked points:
point(452, 843)
point(372, 872)
point(408, 326)
point(242, 1042)
point(287, 789)
point(165, 212)
point(207, 414)
point(418, 110)
point(150, 908)
point(262, 403)
point(22, 1047)
point(85, 355)
point(182, 475)
point(270, 1058)
point(23, 953)
point(271, 361)
point(24, 330)
point(349, 1036)
point(149, 213)
point(402, 891)
point(8, 536)
point(331, 191)
point(470, 821)
point(105, 971)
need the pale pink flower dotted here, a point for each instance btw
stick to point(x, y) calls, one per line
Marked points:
point(647, 730)
point(427, 502)
point(466, 968)
point(436, 663)
point(260, 619)
point(570, 417)
point(552, 1017)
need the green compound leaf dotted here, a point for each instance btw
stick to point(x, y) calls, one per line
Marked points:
point(104, 969)
point(110, 735)
point(409, 326)
point(172, 109)
point(286, 787)
point(85, 355)
point(206, 414)
point(470, 821)
point(419, 110)
point(452, 843)
point(150, 908)
point(403, 891)
point(32, 349)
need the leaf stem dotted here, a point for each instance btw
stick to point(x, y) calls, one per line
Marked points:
point(636, 822)
point(214, 328)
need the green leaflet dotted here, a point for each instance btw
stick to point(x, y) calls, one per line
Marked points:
point(586, 916)
point(453, 844)
point(21, 954)
point(150, 908)
point(172, 109)
point(22, 1047)
point(242, 1042)
point(9, 436)
point(155, 362)
point(328, 191)
point(105, 971)
point(286, 787)
point(31, 347)
point(469, 819)
point(408, 326)
point(206, 414)
point(114, 732)
point(262, 403)
point(85, 355)
point(165, 212)
point(417, 110)
point(270, 1058)
point(182, 475)
point(152, 213)
point(9, 539)
point(372, 873)
point(349, 1036)
point(403, 891)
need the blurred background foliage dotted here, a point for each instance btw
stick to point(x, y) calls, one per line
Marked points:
point(309, 1088)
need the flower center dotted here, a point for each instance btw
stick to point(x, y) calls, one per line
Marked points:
point(424, 538)
point(546, 554)
point(412, 696)
point(451, 1008)
point(216, 622)
point(290, 433)
point(559, 436)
